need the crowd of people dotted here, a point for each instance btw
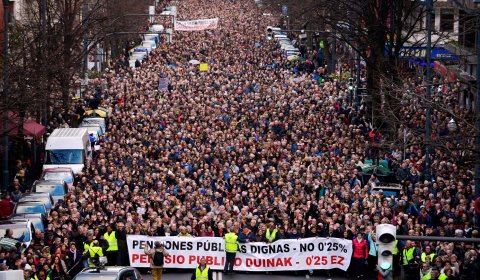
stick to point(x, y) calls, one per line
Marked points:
point(251, 148)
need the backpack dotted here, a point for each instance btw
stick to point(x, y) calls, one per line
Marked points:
point(158, 258)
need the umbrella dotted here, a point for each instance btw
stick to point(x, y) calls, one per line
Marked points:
point(194, 62)
point(294, 58)
point(97, 112)
point(106, 110)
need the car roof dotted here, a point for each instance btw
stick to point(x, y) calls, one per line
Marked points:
point(19, 216)
point(58, 169)
point(49, 182)
point(13, 224)
point(37, 194)
point(30, 203)
point(107, 269)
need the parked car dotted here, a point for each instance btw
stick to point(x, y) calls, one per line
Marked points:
point(96, 120)
point(35, 219)
point(92, 126)
point(109, 273)
point(46, 198)
point(388, 190)
point(57, 174)
point(58, 189)
point(22, 231)
point(30, 207)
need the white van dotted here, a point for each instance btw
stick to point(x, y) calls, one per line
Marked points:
point(68, 147)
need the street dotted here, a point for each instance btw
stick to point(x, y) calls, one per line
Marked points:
point(255, 276)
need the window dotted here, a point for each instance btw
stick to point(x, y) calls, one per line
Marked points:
point(64, 157)
point(447, 18)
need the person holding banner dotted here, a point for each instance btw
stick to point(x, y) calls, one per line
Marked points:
point(203, 271)
point(360, 256)
point(231, 248)
point(271, 233)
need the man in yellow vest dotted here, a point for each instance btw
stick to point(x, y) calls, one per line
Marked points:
point(231, 248)
point(410, 257)
point(94, 252)
point(425, 272)
point(112, 251)
point(271, 233)
point(87, 244)
point(202, 272)
point(396, 259)
point(428, 253)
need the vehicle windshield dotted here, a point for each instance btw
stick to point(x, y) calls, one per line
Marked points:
point(57, 176)
point(34, 208)
point(44, 200)
point(387, 192)
point(17, 233)
point(96, 276)
point(56, 190)
point(64, 157)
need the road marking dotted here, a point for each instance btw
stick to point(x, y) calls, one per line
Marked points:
point(307, 276)
point(214, 275)
point(220, 275)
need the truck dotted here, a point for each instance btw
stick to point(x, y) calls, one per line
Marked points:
point(68, 147)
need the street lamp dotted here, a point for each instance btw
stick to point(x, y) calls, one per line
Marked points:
point(452, 125)
point(5, 95)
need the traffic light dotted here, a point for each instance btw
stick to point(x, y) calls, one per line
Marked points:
point(269, 33)
point(350, 89)
point(386, 236)
point(350, 84)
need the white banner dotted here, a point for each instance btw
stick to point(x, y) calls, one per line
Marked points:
point(196, 25)
point(285, 254)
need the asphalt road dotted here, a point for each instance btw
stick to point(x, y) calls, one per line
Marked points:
point(250, 276)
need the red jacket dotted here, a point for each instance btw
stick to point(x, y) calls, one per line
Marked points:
point(360, 249)
point(6, 208)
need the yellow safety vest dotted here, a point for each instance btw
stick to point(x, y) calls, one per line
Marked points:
point(395, 248)
point(87, 245)
point(423, 257)
point(95, 250)
point(112, 241)
point(269, 236)
point(231, 245)
point(443, 276)
point(408, 255)
point(201, 274)
point(427, 276)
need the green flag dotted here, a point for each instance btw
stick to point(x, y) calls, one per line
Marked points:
point(321, 44)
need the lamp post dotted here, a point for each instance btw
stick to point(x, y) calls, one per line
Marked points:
point(428, 122)
point(452, 125)
point(477, 119)
point(5, 96)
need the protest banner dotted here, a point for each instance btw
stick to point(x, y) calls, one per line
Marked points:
point(203, 67)
point(282, 255)
point(196, 25)
point(163, 84)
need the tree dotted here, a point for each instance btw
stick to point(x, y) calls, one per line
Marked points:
point(376, 30)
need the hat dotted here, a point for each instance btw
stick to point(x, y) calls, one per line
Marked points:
point(27, 267)
point(158, 244)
